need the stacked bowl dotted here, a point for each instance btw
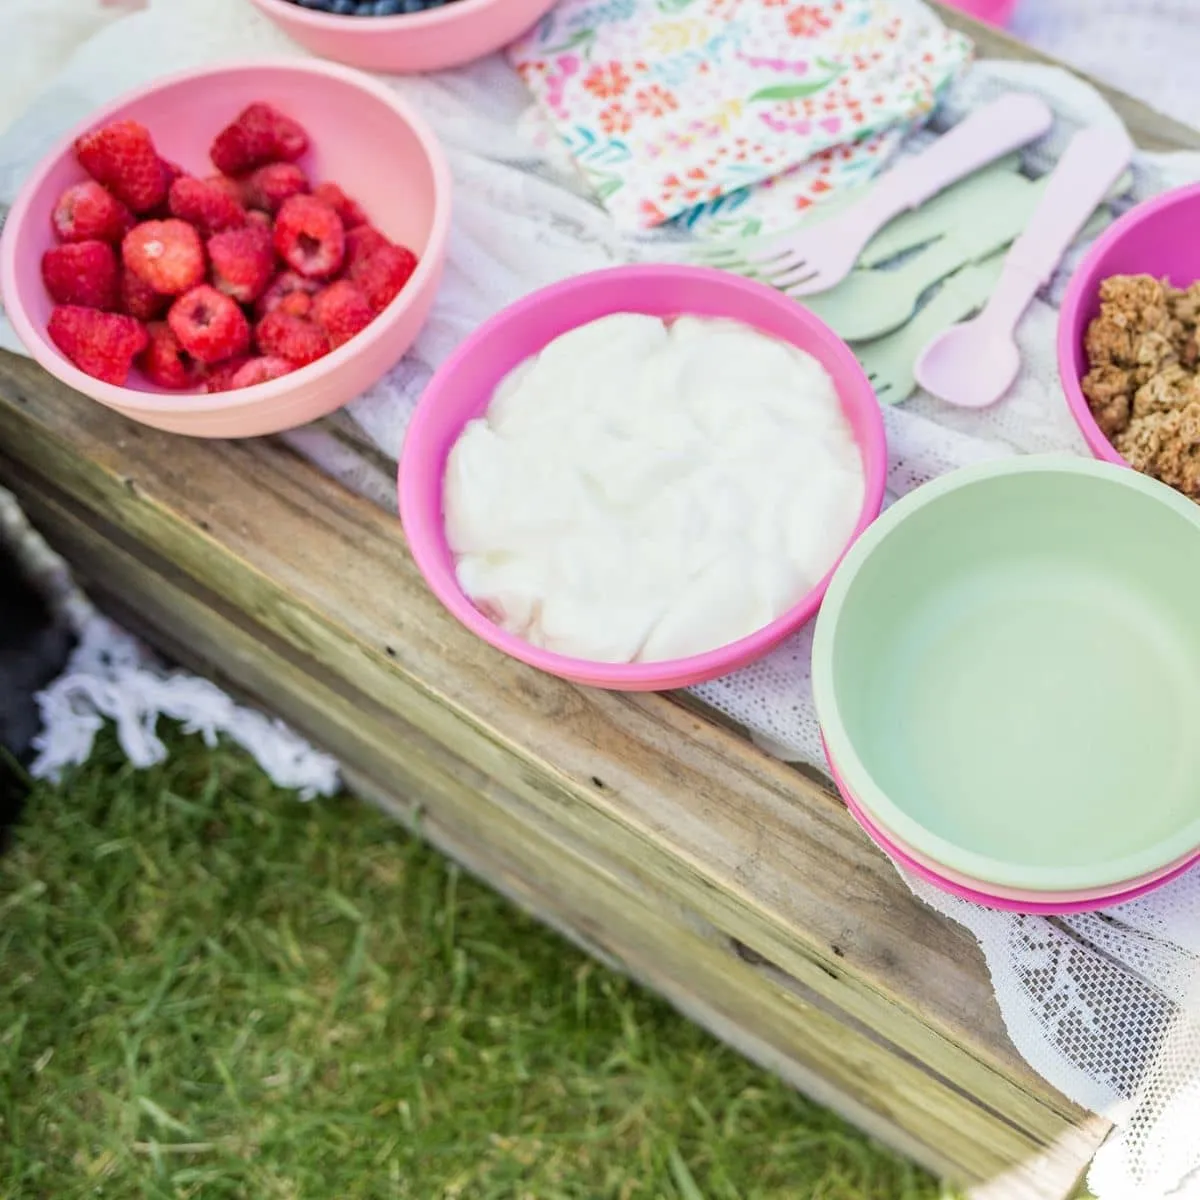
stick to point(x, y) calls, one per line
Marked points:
point(1006, 669)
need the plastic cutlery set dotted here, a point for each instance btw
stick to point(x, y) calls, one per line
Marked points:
point(944, 232)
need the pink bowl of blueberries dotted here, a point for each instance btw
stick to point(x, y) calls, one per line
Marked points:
point(404, 36)
point(232, 251)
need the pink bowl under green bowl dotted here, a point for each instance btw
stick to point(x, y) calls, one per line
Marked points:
point(434, 40)
point(1158, 237)
point(993, 895)
point(363, 137)
point(1006, 669)
point(462, 389)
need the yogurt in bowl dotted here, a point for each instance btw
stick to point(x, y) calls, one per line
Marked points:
point(643, 490)
point(570, 526)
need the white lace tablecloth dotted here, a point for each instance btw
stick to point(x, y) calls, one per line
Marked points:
point(1106, 1006)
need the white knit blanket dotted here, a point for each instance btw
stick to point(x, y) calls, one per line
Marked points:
point(1105, 1007)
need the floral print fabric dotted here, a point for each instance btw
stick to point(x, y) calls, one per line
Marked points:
point(668, 106)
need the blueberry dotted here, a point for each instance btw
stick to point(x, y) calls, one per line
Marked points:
point(343, 8)
point(388, 8)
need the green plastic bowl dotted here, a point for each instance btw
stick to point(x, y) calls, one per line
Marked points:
point(1006, 669)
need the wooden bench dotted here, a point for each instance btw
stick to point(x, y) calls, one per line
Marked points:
point(650, 833)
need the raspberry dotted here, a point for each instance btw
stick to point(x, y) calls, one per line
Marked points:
point(329, 193)
point(138, 299)
point(165, 361)
point(281, 335)
point(361, 243)
point(121, 156)
point(205, 204)
point(171, 171)
point(384, 274)
point(290, 292)
point(342, 311)
point(309, 237)
point(243, 262)
point(83, 273)
point(259, 370)
point(219, 378)
point(256, 216)
point(168, 255)
point(269, 186)
point(100, 344)
point(86, 212)
point(209, 325)
point(260, 135)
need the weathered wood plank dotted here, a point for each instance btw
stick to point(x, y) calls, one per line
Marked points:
point(690, 817)
point(639, 927)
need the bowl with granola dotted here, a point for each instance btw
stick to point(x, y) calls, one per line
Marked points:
point(1129, 341)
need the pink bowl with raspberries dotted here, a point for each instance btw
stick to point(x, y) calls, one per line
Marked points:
point(362, 136)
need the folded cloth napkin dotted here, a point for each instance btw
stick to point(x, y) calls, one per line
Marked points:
point(671, 105)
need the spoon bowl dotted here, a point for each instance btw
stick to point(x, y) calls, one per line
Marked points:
point(975, 363)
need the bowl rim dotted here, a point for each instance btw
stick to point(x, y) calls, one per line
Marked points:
point(1079, 293)
point(839, 742)
point(134, 400)
point(323, 22)
point(423, 536)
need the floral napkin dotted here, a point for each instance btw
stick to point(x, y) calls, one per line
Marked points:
point(668, 106)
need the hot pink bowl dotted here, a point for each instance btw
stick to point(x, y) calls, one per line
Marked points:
point(994, 12)
point(991, 896)
point(1159, 238)
point(363, 137)
point(427, 41)
point(463, 387)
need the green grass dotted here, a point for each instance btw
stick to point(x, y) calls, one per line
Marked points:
point(209, 989)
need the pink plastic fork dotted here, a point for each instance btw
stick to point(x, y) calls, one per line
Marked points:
point(813, 260)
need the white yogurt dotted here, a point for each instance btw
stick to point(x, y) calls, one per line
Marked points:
point(638, 492)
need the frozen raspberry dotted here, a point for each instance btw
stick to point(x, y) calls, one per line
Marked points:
point(259, 370)
point(342, 311)
point(309, 237)
point(171, 170)
point(361, 242)
point(289, 292)
point(281, 335)
point(168, 255)
point(88, 212)
point(243, 262)
point(165, 361)
point(100, 344)
point(81, 273)
point(329, 193)
point(260, 135)
point(121, 156)
point(207, 205)
point(382, 276)
point(136, 298)
point(269, 186)
point(219, 378)
point(256, 216)
point(209, 325)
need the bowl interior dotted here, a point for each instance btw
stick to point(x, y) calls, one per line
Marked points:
point(358, 140)
point(1157, 238)
point(463, 387)
point(1015, 670)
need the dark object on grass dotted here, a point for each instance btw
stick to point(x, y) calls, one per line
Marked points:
point(34, 647)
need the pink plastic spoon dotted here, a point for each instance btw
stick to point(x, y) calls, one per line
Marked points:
point(975, 363)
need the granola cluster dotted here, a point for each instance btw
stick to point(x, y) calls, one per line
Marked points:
point(1143, 385)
